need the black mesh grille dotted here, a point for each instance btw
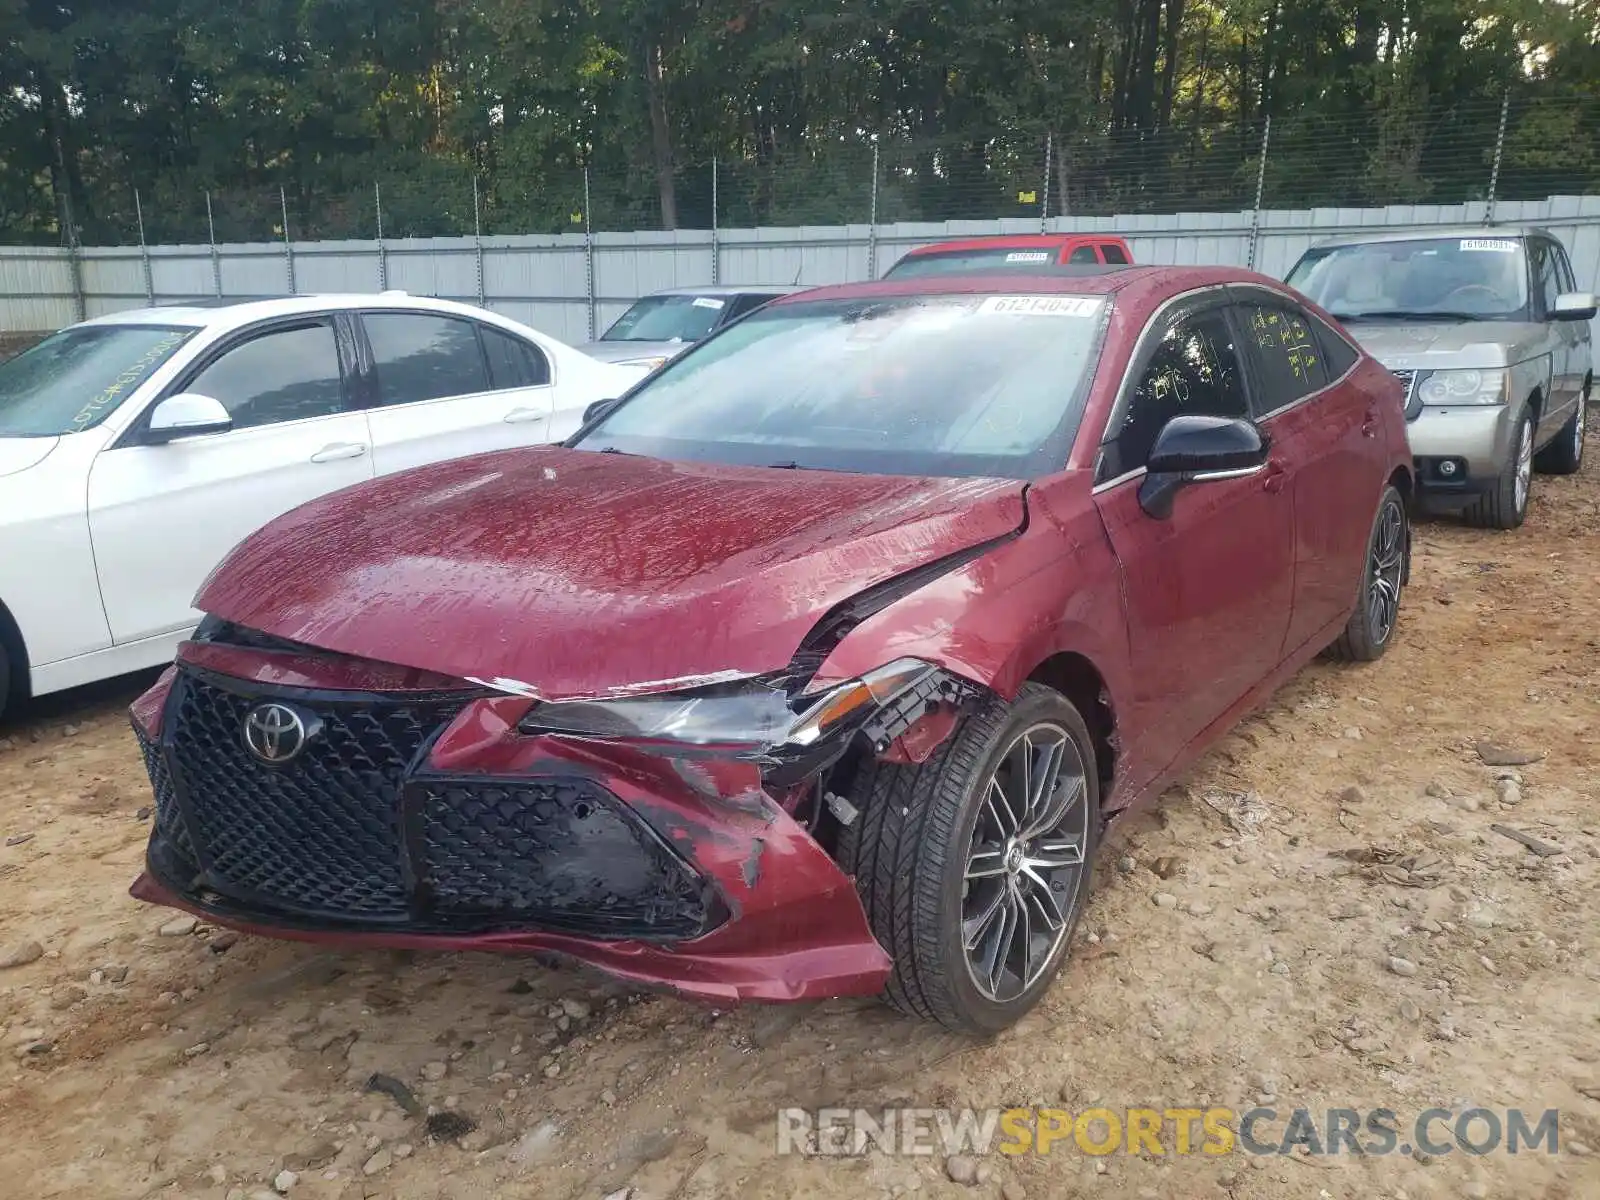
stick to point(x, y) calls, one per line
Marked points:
point(320, 834)
point(561, 849)
point(169, 821)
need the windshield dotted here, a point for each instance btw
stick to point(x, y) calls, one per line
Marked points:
point(74, 379)
point(970, 262)
point(907, 385)
point(1458, 279)
point(668, 319)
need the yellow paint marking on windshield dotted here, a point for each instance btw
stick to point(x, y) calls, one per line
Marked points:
point(114, 392)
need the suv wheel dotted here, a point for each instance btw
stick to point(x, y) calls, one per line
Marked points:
point(974, 866)
point(1505, 504)
point(1565, 455)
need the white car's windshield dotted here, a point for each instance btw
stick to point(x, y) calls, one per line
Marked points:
point(74, 379)
point(668, 319)
point(954, 385)
point(1450, 279)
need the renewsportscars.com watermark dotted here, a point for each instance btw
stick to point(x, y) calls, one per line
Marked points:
point(847, 1132)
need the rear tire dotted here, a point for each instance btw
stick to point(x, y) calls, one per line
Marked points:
point(941, 879)
point(5, 680)
point(1564, 455)
point(1505, 504)
point(1371, 627)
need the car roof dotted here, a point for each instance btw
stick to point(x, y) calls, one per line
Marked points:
point(1104, 282)
point(1012, 241)
point(227, 313)
point(1432, 232)
point(733, 289)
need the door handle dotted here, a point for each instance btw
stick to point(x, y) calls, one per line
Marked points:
point(1275, 478)
point(337, 450)
point(519, 416)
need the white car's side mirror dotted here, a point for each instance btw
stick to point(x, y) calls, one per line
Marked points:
point(188, 414)
point(1574, 306)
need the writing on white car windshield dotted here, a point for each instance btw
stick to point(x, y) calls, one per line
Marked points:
point(1448, 279)
point(950, 385)
point(676, 318)
point(74, 379)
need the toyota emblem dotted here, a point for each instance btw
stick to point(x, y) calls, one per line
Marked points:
point(275, 733)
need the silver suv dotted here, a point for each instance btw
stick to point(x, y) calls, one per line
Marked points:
point(1489, 334)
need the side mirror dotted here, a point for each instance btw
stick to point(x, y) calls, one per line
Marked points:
point(188, 414)
point(598, 409)
point(1197, 449)
point(1574, 306)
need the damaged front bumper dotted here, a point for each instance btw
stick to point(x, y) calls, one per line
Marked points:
point(413, 815)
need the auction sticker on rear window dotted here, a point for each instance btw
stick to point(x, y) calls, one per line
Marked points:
point(708, 302)
point(1028, 256)
point(1493, 245)
point(1042, 306)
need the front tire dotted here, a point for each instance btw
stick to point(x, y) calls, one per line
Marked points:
point(1505, 504)
point(1564, 455)
point(1371, 627)
point(974, 866)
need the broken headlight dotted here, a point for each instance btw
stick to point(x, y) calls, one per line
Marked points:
point(756, 713)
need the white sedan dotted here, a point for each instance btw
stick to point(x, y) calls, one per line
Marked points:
point(137, 449)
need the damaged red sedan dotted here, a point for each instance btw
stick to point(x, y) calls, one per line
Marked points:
point(814, 666)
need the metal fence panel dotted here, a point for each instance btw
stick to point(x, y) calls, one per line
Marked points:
point(35, 289)
point(564, 284)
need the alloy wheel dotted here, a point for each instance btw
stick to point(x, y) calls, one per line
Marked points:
point(1577, 428)
point(1026, 862)
point(1524, 464)
point(1385, 567)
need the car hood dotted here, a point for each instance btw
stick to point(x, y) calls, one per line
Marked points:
point(1430, 346)
point(565, 573)
point(616, 352)
point(18, 454)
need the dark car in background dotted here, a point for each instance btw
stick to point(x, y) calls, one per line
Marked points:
point(815, 666)
point(663, 324)
point(1044, 253)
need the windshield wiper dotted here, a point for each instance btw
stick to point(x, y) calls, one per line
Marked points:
point(1404, 314)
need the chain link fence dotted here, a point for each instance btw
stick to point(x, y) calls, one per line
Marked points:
point(567, 247)
point(1512, 147)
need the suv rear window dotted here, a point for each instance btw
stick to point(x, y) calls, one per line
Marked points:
point(1041, 261)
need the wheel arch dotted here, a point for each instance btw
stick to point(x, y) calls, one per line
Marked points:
point(16, 652)
point(1536, 406)
point(1077, 678)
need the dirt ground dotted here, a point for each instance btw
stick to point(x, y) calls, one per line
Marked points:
point(140, 1063)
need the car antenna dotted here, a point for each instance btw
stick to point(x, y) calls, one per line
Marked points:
point(797, 273)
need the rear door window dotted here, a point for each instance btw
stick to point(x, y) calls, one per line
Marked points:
point(513, 363)
point(423, 356)
point(1287, 356)
point(1113, 254)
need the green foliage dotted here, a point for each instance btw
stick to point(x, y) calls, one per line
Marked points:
point(337, 109)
